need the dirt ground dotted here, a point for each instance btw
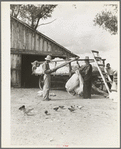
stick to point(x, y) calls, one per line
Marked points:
point(94, 125)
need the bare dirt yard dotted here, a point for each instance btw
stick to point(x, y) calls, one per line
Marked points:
point(94, 125)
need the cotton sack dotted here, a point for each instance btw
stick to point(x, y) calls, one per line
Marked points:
point(73, 82)
point(78, 90)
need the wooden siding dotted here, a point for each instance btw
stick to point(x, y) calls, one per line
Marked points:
point(26, 39)
point(16, 70)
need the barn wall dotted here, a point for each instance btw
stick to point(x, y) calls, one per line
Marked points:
point(16, 70)
point(25, 40)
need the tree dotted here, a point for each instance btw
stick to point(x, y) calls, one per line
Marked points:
point(32, 14)
point(107, 19)
point(15, 10)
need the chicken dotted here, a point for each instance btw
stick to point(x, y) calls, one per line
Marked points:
point(26, 111)
point(71, 109)
point(56, 108)
point(46, 112)
point(62, 107)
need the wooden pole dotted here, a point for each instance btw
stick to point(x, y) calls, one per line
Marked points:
point(62, 65)
point(70, 68)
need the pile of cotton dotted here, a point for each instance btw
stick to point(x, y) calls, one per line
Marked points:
point(63, 70)
point(38, 70)
point(54, 63)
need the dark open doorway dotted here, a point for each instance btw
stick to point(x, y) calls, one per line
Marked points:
point(27, 79)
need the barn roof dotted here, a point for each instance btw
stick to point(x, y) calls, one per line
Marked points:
point(49, 39)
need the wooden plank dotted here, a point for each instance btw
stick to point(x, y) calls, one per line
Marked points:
point(45, 45)
point(11, 45)
point(33, 41)
point(95, 51)
point(15, 34)
point(60, 51)
point(18, 78)
point(11, 60)
point(13, 77)
point(18, 62)
point(27, 39)
point(16, 70)
point(70, 69)
point(37, 42)
point(14, 61)
point(24, 36)
point(20, 37)
point(101, 73)
point(30, 36)
point(10, 34)
point(23, 46)
point(33, 52)
point(49, 47)
point(53, 49)
point(41, 44)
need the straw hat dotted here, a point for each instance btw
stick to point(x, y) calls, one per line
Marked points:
point(107, 64)
point(86, 58)
point(48, 58)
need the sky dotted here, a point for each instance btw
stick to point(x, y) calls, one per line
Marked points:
point(74, 29)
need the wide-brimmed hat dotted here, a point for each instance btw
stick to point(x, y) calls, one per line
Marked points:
point(86, 58)
point(48, 58)
point(108, 64)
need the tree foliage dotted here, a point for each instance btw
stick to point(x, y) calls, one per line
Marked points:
point(32, 14)
point(107, 19)
point(15, 10)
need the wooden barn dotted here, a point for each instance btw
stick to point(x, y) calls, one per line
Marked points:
point(28, 45)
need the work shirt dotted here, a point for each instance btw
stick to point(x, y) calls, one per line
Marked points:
point(45, 67)
point(87, 69)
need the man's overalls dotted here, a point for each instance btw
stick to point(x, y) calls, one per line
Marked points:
point(47, 79)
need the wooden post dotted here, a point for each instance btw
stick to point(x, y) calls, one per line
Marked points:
point(70, 68)
point(103, 62)
point(78, 63)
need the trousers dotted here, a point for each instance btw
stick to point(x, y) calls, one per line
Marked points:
point(87, 89)
point(46, 86)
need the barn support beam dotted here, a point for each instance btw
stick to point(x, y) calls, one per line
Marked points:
point(33, 52)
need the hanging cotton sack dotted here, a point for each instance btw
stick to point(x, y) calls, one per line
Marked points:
point(73, 82)
point(114, 86)
point(79, 89)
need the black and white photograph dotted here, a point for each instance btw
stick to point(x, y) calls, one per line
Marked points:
point(60, 74)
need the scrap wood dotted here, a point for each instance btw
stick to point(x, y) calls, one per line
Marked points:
point(99, 90)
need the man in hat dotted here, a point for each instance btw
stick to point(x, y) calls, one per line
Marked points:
point(47, 78)
point(87, 70)
point(110, 72)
